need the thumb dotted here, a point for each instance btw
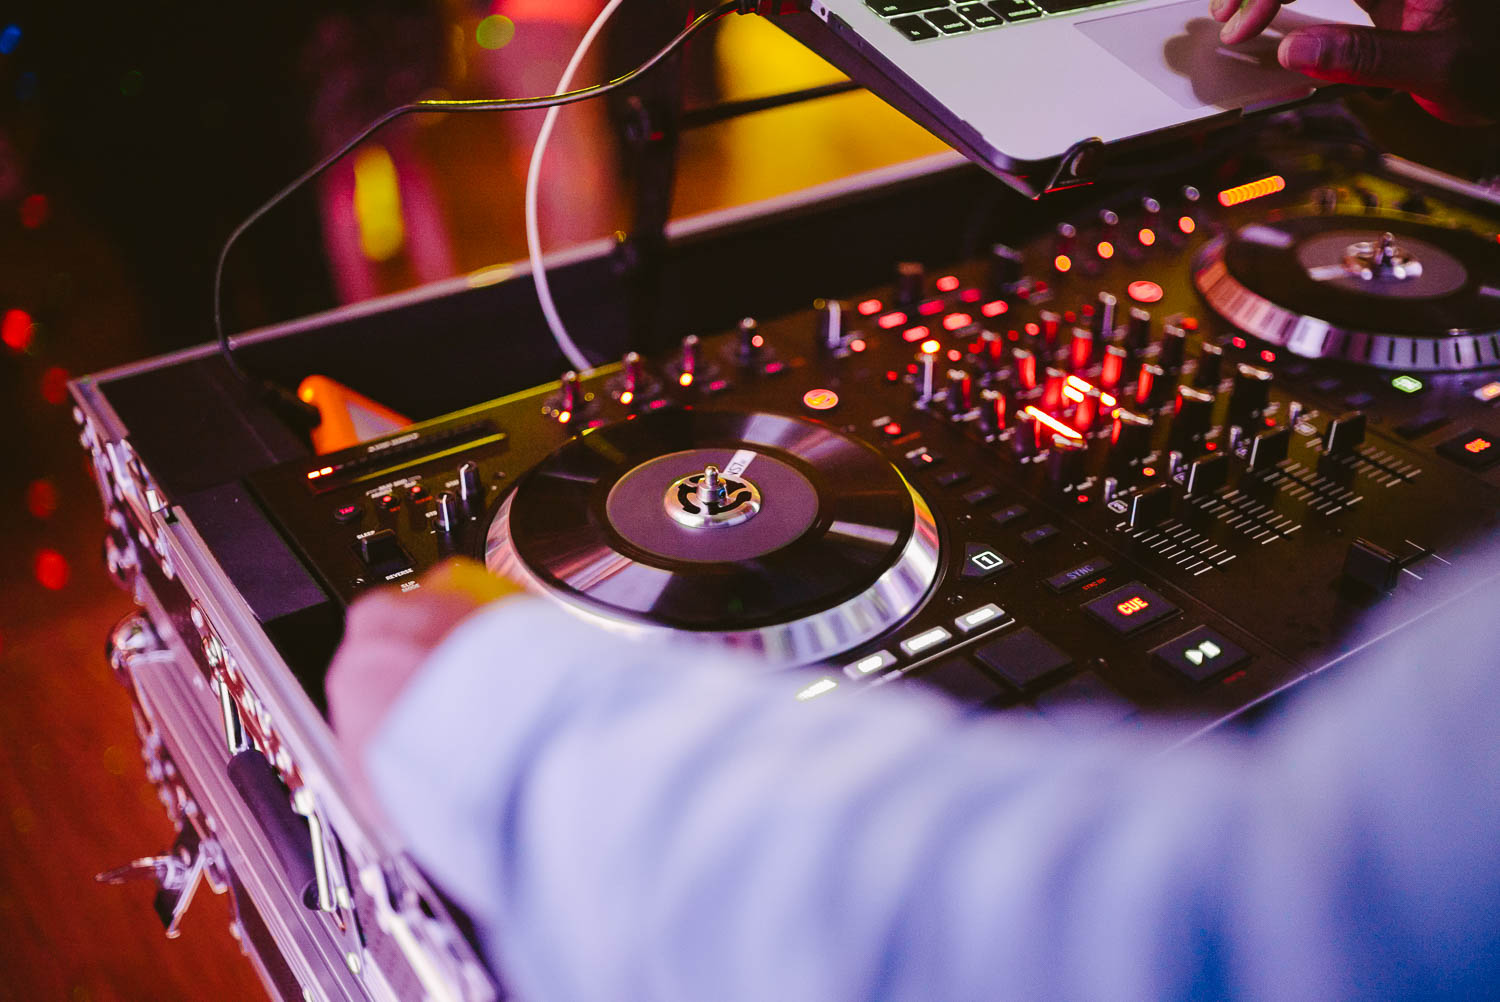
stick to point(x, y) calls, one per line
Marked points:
point(1407, 60)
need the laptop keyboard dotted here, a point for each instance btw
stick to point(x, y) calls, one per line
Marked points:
point(920, 20)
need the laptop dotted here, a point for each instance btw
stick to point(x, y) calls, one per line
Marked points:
point(1023, 86)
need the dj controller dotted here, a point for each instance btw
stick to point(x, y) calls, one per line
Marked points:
point(1171, 448)
point(1162, 456)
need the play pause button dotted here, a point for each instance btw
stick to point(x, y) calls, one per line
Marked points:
point(1200, 654)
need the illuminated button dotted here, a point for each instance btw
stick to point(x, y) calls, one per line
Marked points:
point(952, 478)
point(975, 618)
point(1024, 658)
point(1131, 608)
point(344, 514)
point(980, 562)
point(820, 400)
point(870, 664)
point(891, 429)
point(1075, 576)
point(1144, 292)
point(1411, 384)
point(1474, 449)
point(925, 641)
point(1488, 393)
point(390, 502)
point(821, 687)
point(1200, 654)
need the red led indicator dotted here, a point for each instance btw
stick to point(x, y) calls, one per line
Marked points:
point(1211, 446)
point(1132, 605)
point(994, 308)
point(947, 283)
point(954, 355)
point(891, 320)
point(931, 308)
point(870, 307)
point(34, 211)
point(1148, 471)
point(892, 430)
point(1083, 499)
point(912, 334)
point(51, 570)
point(955, 321)
point(857, 345)
point(1144, 292)
point(1268, 356)
point(16, 330)
point(1237, 341)
point(1189, 323)
point(970, 295)
point(41, 498)
point(1477, 445)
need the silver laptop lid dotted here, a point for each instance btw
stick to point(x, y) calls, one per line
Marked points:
point(1028, 79)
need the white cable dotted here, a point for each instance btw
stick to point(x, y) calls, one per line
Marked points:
point(533, 186)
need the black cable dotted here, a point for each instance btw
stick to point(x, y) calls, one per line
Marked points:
point(495, 104)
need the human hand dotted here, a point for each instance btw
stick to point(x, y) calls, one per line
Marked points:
point(388, 634)
point(1445, 52)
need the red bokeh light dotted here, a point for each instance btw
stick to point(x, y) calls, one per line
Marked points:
point(41, 498)
point(51, 570)
point(55, 385)
point(34, 211)
point(16, 330)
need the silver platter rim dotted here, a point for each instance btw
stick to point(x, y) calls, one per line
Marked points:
point(1310, 337)
point(894, 595)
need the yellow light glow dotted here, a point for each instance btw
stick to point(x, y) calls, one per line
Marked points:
point(377, 204)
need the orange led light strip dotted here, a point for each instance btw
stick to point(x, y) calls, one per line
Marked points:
point(1255, 189)
point(1043, 418)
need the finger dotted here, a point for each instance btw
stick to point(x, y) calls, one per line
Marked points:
point(1416, 61)
point(1248, 19)
point(470, 578)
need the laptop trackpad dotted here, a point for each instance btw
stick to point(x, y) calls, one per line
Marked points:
point(1193, 67)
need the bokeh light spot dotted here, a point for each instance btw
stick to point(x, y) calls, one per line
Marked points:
point(9, 39)
point(41, 498)
point(34, 211)
point(377, 203)
point(133, 83)
point(495, 32)
point(16, 330)
point(51, 570)
point(55, 385)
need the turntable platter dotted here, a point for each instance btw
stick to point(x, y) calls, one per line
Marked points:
point(1389, 293)
point(753, 530)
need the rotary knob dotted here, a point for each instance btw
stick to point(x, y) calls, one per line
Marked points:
point(1065, 460)
point(911, 282)
point(1210, 366)
point(1112, 369)
point(1080, 348)
point(1151, 386)
point(1130, 437)
point(750, 343)
point(1138, 329)
point(828, 330)
point(1023, 438)
point(1104, 316)
point(959, 398)
point(470, 486)
point(1173, 347)
point(448, 513)
point(1251, 393)
point(1192, 415)
point(1006, 267)
point(992, 412)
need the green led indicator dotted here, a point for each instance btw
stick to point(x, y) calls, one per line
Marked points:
point(1407, 384)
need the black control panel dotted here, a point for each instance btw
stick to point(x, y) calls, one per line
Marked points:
point(1140, 502)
